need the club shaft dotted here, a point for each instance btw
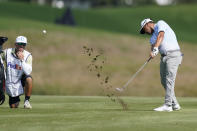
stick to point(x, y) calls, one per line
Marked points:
point(131, 79)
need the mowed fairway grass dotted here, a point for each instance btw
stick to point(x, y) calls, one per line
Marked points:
point(87, 113)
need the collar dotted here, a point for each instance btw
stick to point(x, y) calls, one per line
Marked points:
point(155, 26)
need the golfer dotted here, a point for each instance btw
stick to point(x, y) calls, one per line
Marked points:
point(163, 40)
point(18, 67)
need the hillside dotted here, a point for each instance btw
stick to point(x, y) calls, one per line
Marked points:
point(60, 67)
point(182, 18)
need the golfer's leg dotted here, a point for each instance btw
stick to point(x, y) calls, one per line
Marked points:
point(171, 70)
point(163, 73)
point(177, 61)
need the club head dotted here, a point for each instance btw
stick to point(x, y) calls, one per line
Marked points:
point(119, 89)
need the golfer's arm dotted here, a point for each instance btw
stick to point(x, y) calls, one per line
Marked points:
point(159, 39)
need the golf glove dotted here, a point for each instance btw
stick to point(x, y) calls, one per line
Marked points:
point(155, 51)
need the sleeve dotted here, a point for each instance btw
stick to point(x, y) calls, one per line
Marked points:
point(153, 39)
point(29, 60)
point(27, 65)
point(161, 26)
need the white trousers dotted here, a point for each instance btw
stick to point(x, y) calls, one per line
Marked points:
point(168, 70)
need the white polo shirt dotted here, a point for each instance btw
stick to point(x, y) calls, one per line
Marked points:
point(169, 42)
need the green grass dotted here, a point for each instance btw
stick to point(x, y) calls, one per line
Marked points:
point(74, 113)
point(182, 18)
point(21, 10)
point(59, 68)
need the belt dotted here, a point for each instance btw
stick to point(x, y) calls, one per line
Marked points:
point(170, 51)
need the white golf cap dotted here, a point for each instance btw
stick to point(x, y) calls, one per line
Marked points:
point(21, 39)
point(143, 23)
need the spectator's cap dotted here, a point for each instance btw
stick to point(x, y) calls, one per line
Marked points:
point(143, 23)
point(21, 39)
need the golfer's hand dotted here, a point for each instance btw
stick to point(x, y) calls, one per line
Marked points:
point(154, 52)
point(20, 55)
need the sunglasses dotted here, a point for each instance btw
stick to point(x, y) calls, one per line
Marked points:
point(21, 44)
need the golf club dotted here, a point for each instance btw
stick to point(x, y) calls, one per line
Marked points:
point(131, 79)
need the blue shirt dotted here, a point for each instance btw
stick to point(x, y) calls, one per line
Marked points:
point(169, 42)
